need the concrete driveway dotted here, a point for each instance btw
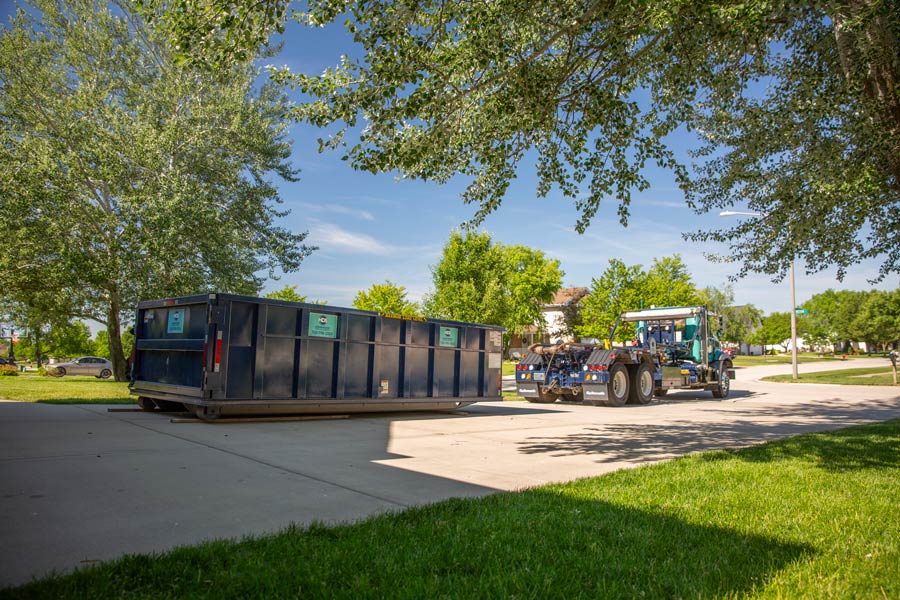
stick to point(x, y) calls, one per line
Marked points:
point(79, 485)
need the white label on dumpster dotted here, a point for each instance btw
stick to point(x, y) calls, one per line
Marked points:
point(385, 388)
point(495, 338)
point(495, 361)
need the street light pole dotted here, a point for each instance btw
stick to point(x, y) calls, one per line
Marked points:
point(794, 374)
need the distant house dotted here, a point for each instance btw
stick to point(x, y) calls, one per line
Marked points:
point(554, 312)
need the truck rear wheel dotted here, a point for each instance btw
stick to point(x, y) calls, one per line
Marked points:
point(617, 388)
point(544, 397)
point(642, 384)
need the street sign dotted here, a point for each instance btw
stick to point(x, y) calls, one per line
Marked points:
point(801, 311)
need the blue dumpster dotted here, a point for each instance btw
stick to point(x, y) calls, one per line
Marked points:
point(223, 354)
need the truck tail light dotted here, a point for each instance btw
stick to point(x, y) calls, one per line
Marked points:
point(218, 355)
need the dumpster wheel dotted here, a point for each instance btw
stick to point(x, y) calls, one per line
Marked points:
point(146, 403)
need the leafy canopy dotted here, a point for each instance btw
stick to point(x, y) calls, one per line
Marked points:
point(387, 297)
point(126, 175)
point(797, 105)
point(622, 288)
point(479, 281)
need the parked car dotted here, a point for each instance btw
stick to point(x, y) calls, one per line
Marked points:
point(85, 365)
point(6, 361)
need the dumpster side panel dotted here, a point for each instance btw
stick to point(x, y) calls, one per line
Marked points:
point(239, 361)
point(272, 356)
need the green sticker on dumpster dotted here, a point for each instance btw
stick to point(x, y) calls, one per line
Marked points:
point(322, 325)
point(449, 337)
point(176, 321)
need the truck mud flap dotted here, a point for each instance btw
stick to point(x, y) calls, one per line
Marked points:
point(527, 391)
point(594, 392)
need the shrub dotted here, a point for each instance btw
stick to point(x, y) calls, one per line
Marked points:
point(9, 370)
point(48, 371)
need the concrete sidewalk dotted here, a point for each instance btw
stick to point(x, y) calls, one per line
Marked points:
point(79, 484)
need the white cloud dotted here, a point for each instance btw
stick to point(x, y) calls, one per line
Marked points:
point(334, 208)
point(330, 238)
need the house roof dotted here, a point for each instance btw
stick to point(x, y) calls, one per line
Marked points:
point(568, 295)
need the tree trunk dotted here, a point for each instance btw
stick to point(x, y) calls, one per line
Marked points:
point(37, 346)
point(114, 331)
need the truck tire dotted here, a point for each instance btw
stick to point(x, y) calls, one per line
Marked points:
point(642, 384)
point(544, 397)
point(723, 383)
point(617, 388)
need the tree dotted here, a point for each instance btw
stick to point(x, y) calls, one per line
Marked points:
point(740, 323)
point(288, 293)
point(775, 330)
point(386, 297)
point(797, 104)
point(101, 344)
point(718, 300)
point(621, 288)
point(479, 281)
point(62, 339)
point(668, 283)
point(878, 319)
point(617, 290)
point(125, 174)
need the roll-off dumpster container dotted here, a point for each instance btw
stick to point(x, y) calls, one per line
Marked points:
point(222, 354)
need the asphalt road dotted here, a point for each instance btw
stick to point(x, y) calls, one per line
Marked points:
point(79, 484)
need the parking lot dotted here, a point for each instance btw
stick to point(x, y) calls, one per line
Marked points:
point(79, 484)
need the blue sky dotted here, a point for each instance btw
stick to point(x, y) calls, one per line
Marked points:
point(370, 228)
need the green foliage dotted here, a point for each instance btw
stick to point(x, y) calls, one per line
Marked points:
point(288, 293)
point(839, 316)
point(70, 340)
point(618, 289)
point(386, 297)
point(797, 105)
point(878, 319)
point(718, 300)
point(217, 33)
point(479, 281)
point(101, 344)
point(621, 288)
point(740, 322)
point(774, 330)
point(8, 371)
point(126, 174)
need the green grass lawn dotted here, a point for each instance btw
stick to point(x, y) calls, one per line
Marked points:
point(742, 360)
point(71, 389)
point(809, 517)
point(882, 375)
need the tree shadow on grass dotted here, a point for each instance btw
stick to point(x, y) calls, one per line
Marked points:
point(645, 442)
point(534, 544)
point(874, 446)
